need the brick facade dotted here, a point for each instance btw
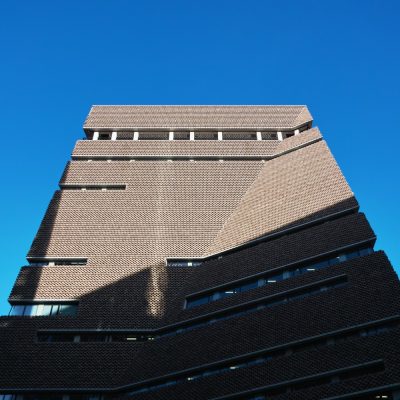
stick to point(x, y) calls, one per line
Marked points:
point(243, 210)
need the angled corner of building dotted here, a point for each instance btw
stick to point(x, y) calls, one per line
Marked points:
point(203, 252)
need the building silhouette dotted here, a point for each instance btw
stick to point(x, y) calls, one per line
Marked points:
point(202, 252)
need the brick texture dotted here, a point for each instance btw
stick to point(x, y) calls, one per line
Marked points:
point(192, 117)
point(267, 204)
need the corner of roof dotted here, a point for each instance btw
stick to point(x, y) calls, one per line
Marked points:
point(303, 117)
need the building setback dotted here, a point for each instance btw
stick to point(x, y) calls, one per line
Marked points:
point(202, 252)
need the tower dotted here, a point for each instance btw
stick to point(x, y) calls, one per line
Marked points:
point(202, 252)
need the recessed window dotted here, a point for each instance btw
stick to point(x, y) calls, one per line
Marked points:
point(181, 135)
point(240, 136)
point(153, 135)
point(104, 136)
point(43, 309)
point(206, 136)
point(37, 262)
point(93, 187)
point(269, 136)
point(125, 136)
point(184, 263)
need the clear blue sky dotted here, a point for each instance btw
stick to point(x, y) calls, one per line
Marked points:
point(341, 58)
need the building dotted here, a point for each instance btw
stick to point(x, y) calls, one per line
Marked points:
point(202, 252)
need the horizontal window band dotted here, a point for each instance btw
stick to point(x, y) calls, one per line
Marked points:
point(92, 187)
point(211, 157)
point(272, 276)
point(65, 261)
point(183, 263)
point(342, 374)
point(43, 309)
point(263, 393)
point(239, 310)
point(372, 328)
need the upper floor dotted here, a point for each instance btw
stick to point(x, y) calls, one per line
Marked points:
point(196, 122)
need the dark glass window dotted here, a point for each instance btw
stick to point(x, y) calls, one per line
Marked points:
point(43, 309)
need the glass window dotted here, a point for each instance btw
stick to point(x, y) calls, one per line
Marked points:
point(17, 310)
point(54, 309)
point(46, 310)
point(287, 274)
point(249, 286)
point(197, 302)
point(67, 309)
point(34, 310)
point(364, 252)
point(28, 310)
point(227, 293)
point(321, 264)
point(334, 261)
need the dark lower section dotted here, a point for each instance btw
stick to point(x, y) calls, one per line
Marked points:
point(324, 323)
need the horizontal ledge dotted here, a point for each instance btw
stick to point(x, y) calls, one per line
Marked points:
point(191, 128)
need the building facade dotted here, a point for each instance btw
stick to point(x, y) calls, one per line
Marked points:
point(202, 252)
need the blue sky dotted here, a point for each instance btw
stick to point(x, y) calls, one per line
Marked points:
point(341, 58)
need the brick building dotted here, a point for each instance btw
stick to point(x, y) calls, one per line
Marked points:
point(202, 252)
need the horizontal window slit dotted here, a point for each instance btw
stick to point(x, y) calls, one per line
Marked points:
point(38, 309)
point(91, 187)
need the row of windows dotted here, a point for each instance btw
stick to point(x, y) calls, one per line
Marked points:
point(268, 355)
point(325, 379)
point(269, 278)
point(280, 298)
point(43, 309)
point(329, 377)
point(57, 262)
point(211, 135)
point(77, 337)
point(102, 188)
point(184, 263)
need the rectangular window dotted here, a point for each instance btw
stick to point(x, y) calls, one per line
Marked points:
point(104, 136)
point(43, 309)
point(205, 135)
point(154, 135)
point(181, 135)
point(240, 136)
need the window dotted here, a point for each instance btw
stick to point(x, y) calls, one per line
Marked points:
point(153, 135)
point(240, 136)
point(206, 135)
point(184, 263)
point(269, 136)
point(54, 262)
point(43, 309)
point(93, 187)
point(104, 135)
point(181, 135)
